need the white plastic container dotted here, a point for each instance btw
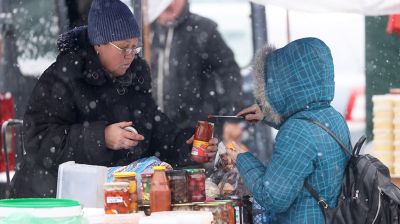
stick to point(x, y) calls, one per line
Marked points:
point(83, 183)
point(383, 135)
point(386, 157)
point(396, 154)
point(383, 123)
point(396, 101)
point(383, 101)
point(383, 146)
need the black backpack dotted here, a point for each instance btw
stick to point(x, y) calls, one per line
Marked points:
point(367, 194)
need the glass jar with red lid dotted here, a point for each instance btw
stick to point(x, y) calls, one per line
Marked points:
point(145, 188)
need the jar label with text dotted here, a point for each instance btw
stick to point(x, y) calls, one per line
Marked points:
point(199, 148)
point(112, 200)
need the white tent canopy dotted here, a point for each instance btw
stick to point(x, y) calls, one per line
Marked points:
point(365, 7)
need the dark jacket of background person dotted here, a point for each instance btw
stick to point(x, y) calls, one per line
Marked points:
point(72, 103)
point(194, 71)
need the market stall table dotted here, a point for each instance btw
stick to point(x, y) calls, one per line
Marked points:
point(97, 216)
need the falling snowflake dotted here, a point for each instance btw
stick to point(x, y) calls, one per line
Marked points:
point(92, 105)
point(86, 124)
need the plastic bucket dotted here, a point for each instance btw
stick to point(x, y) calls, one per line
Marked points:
point(40, 210)
point(396, 170)
point(383, 101)
point(396, 123)
point(383, 146)
point(396, 154)
point(396, 133)
point(396, 110)
point(386, 157)
point(383, 135)
point(383, 123)
point(396, 101)
point(384, 114)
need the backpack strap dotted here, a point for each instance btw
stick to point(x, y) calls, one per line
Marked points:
point(346, 150)
point(320, 200)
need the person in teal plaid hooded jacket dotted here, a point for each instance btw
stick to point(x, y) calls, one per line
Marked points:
point(294, 82)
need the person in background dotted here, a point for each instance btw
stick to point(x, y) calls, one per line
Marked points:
point(194, 71)
point(292, 83)
point(82, 104)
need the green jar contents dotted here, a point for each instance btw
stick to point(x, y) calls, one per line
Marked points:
point(145, 188)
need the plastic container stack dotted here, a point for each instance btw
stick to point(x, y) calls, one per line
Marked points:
point(396, 133)
point(383, 117)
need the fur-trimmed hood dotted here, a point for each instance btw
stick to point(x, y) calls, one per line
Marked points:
point(297, 77)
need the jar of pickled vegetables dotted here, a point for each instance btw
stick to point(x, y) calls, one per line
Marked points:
point(230, 209)
point(116, 198)
point(129, 177)
point(226, 216)
point(145, 188)
point(196, 185)
point(179, 186)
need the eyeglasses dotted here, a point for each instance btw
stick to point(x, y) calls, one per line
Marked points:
point(127, 51)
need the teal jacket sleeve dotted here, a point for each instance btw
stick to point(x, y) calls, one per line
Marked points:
point(277, 185)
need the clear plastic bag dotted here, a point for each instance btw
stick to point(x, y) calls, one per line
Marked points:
point(226, 175)
point(260, 214)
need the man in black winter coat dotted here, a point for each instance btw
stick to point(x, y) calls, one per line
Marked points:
point(194, 71)
point(81, 104)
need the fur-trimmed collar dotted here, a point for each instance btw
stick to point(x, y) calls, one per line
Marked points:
point(259, 66)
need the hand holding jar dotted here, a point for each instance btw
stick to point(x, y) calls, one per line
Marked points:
point(204, 145)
